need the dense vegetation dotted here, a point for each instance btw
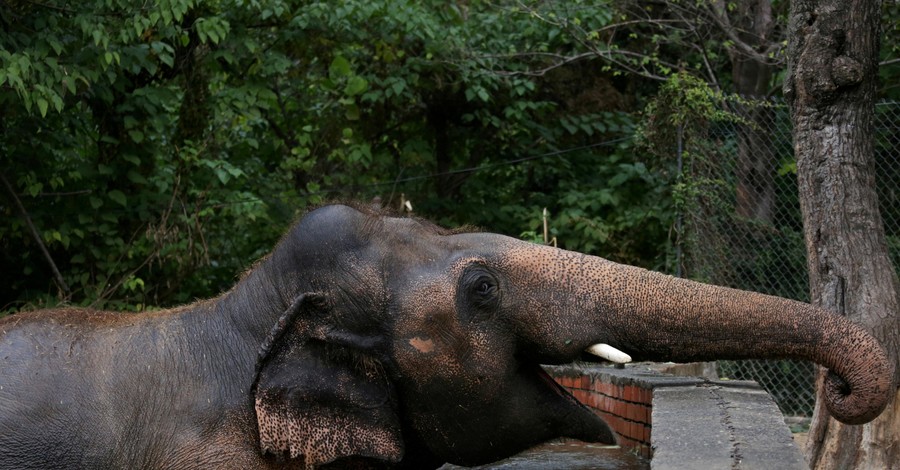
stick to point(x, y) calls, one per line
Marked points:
point(159, 148)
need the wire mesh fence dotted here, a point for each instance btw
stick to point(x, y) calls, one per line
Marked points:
point(744, 227)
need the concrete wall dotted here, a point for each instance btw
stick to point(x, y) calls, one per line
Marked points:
point(685, 422)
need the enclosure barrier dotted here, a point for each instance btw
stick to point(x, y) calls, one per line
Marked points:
point(685, 422)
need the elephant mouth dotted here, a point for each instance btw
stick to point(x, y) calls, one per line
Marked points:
point(577, 421)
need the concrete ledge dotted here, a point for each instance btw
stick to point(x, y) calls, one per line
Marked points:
point(718, 425)
point(685, 422)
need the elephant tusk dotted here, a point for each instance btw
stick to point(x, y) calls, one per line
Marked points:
point(609, 353)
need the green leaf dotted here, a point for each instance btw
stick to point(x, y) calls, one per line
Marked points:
point(340, 67)
point(222, 175)
point(398, 86)
point(136, 135)
point(355, 86)
point(34, 189)
point(42, 106)
point(117, 196)
point(136, 177)
point(351, 112)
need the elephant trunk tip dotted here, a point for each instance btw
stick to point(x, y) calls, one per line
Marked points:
point(852, 403)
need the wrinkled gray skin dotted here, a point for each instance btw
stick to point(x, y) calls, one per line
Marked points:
point(375, 341)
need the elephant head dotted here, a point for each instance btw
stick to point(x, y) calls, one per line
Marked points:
point(414, 344)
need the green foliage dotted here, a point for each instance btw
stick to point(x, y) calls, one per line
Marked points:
point(683, 111)
point(161, 148)
point(889, 56)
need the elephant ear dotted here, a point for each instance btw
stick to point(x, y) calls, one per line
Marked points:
point(322, 401)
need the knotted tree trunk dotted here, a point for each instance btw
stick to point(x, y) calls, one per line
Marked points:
point(832, 60)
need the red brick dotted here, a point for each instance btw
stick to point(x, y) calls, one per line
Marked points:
point(626, 411)
point(639, 413)
point(584, 396)
point(623, 409)
point(617, 424)
point(616, 408)
point(588, 398)
point(596, 400)
point(637, 431)
point(630, 393)
point(626, 429)
point(635, 413)
point(631, 431)
point(609, 405)
point(646, 434)
point(631, 411)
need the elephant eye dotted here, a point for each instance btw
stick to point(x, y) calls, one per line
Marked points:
point(485, 287)
point(479, 295)
point(484, 293)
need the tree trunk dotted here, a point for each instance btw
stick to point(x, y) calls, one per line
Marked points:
point(832, 67)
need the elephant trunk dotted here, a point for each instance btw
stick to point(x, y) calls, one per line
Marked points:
point(652, 316)
point(684, 321)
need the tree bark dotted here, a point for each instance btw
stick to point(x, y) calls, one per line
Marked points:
point(831, 83)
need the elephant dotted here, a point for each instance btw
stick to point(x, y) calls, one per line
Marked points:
point(371, 340)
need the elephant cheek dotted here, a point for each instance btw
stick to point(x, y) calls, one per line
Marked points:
point(454, 368)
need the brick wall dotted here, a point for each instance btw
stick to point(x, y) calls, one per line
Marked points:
point(625, 403)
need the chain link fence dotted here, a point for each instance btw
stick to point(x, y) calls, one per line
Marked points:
point(744, 228)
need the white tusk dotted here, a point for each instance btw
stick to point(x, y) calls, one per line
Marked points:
point(609, 353)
